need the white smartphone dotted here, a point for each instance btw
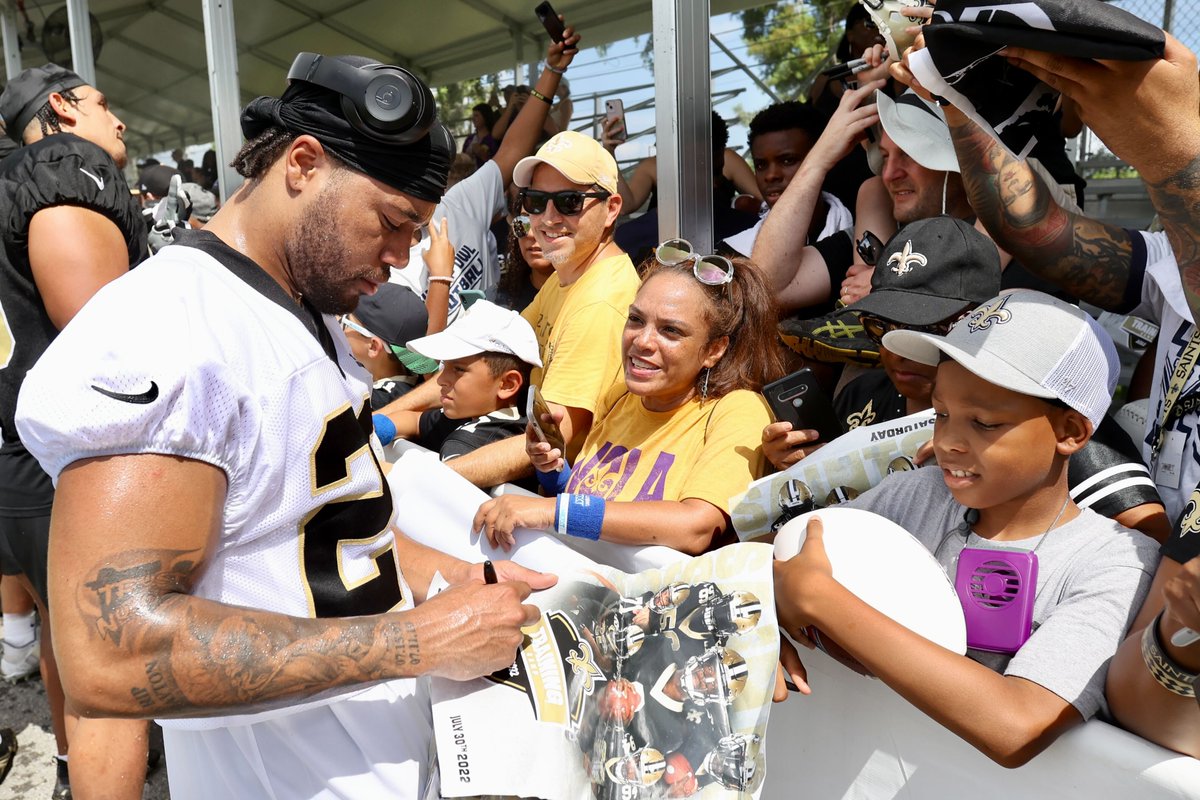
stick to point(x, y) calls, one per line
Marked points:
point(615, 109)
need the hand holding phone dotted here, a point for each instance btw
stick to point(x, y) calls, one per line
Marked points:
point(614, 116)
point(540, 418)
point(799, 399)
point(550, 21)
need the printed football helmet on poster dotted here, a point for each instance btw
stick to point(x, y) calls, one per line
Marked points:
point(736, 612)
point(718, 676)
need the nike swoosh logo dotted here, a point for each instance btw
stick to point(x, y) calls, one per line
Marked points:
point(97, 180)
point(148, 396)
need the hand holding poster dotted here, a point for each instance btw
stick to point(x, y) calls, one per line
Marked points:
point(839, 471)
point(628, 686)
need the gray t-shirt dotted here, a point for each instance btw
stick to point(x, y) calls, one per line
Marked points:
point(469, 207)
point(1092, 577)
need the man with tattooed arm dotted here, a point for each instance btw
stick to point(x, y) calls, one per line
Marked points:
point(221, 550)
point(1147, 113)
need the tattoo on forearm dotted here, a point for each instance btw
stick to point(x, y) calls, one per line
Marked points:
point(198, 656)
point(1177, 201)
point(113, 597)
point(1083, 256)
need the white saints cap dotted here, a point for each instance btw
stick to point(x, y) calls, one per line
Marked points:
point(1028, 342)
point(483, 328)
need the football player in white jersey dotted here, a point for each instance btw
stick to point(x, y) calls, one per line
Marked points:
point(221, 545)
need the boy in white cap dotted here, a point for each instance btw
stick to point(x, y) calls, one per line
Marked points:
point(1021, 384)
point(487, 355)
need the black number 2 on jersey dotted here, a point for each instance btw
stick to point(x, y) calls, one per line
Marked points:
point(356, 520)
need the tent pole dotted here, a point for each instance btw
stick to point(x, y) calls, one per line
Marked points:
point(683, 121)
point(221, 43)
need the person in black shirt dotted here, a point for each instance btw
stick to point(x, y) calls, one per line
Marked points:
point(70, 225)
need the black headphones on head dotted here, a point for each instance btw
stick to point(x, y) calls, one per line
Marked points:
point(387, 103)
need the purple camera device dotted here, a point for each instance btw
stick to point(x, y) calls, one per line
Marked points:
point(997, 589)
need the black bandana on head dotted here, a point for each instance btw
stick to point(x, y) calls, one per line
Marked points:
point(419, 169)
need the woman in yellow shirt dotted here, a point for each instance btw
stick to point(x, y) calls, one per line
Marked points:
point(669, 447)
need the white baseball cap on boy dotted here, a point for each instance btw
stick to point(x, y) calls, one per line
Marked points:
point(1030, 343)
point(483, 328)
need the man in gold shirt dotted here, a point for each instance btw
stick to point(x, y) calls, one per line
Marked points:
point(569, 191)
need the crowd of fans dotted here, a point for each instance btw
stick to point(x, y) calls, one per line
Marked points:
point(879, 238)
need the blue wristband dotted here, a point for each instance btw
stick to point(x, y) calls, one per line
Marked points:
point(579, 515)
point(385, 429)
point(554, 482)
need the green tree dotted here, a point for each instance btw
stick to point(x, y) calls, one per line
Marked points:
point(455, 101)
point(791, 41)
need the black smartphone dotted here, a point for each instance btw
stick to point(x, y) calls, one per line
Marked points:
point(547, 431)
point(800, 400)
point(550, 21)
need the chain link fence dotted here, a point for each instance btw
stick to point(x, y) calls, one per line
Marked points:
point(1177, 16)
point(1114, 192)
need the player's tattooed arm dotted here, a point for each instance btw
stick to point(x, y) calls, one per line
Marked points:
point(1087, 258)
point(1176, 198)
point(130, 539)
point(195, 656)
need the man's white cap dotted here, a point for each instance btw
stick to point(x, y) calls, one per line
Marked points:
point(483, 328)
point(580, 159)
point(1028, 342)
point(919, 129)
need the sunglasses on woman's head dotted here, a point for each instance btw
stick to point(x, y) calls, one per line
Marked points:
point(569, 202)
point(709, 270)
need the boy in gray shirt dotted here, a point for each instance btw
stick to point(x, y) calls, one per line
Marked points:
point(1021, 384)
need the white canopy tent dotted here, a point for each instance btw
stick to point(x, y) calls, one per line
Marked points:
point(178, 71)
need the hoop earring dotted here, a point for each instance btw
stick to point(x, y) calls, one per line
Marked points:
point(704, 386)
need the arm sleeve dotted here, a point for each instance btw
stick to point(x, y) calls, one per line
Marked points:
point(1108, 475)
point(587, 358)
point(1184, 544)
point(732, 454)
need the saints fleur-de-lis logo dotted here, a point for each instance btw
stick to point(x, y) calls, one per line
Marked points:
point(583, 664)
point(906, 259)
point(864, 417)
point(1190, 522)
point(985, 317)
